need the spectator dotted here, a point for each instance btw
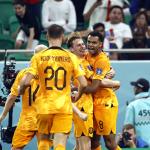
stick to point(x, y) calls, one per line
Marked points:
point(141, 37)
point(138, 111)
point(60, 12)
point(79, 12)
point(117, 32)
point(35, 7)
point(30, 30)
point(128, 138)
point(98, 10)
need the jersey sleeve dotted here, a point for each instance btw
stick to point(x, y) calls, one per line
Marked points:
point(33, 68)
point(101, 69)
point(14, 88)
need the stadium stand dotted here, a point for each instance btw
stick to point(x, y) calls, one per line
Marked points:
point(13, 26)
point(6, 8)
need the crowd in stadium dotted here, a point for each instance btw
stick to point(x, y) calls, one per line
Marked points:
point(125, 23)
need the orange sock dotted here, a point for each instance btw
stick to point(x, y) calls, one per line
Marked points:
point(43, 145)
point(60, 147)
point(98, 148)
point(118, 148)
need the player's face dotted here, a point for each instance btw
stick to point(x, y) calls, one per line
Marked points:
point(78, 47)
point(93, 45)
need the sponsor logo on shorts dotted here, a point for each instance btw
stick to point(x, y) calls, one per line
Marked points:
point(91, 130)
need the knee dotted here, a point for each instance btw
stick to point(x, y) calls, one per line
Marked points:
point(18, 44)
point(110, 146)
point(94, 144)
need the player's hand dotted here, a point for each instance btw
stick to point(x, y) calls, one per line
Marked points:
point(110, 74)
point(83, 116)
point(117, 85)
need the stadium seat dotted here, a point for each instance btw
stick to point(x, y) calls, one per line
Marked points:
point(43, 39)
point(6, 42)
point(7, 11)
point(13, 26)
point(1, 27)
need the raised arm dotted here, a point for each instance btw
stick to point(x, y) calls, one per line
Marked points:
point(9, 103)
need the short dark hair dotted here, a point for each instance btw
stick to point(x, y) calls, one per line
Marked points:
point(19, 2)
point(97, 25)
point(55, 31)
point(128, 127)
point(119, 7)
point(95, 33)
point(70, 40)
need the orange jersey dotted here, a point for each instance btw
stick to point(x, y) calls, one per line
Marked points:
point(55, 68)
point(101, 66)
point(86, 100)
point(27, 120)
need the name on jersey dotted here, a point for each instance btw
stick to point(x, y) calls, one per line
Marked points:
point(55, 58)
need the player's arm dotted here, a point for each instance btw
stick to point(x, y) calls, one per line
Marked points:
point(105, 83)
point(31, 73)
point(110, 73)
point(9, 103)
point(24, 83)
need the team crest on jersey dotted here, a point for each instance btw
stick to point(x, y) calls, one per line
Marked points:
point(98, 71)
point(90, 67)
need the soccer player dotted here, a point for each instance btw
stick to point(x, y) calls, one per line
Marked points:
point(55, 68)
point(84, 129)
point(105, 100)
point(26, 127)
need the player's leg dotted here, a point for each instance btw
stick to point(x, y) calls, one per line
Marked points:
point(95, 142)
point(61, 128)
point(84, 143)
point(44, 123)
point(83, 131)
point(60, 140)
point(110, 142)
point(21, 138)
point(109, 136)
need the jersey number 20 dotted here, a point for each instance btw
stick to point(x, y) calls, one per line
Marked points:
point(55, 75)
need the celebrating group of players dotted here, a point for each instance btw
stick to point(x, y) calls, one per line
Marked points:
point(46, 95)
